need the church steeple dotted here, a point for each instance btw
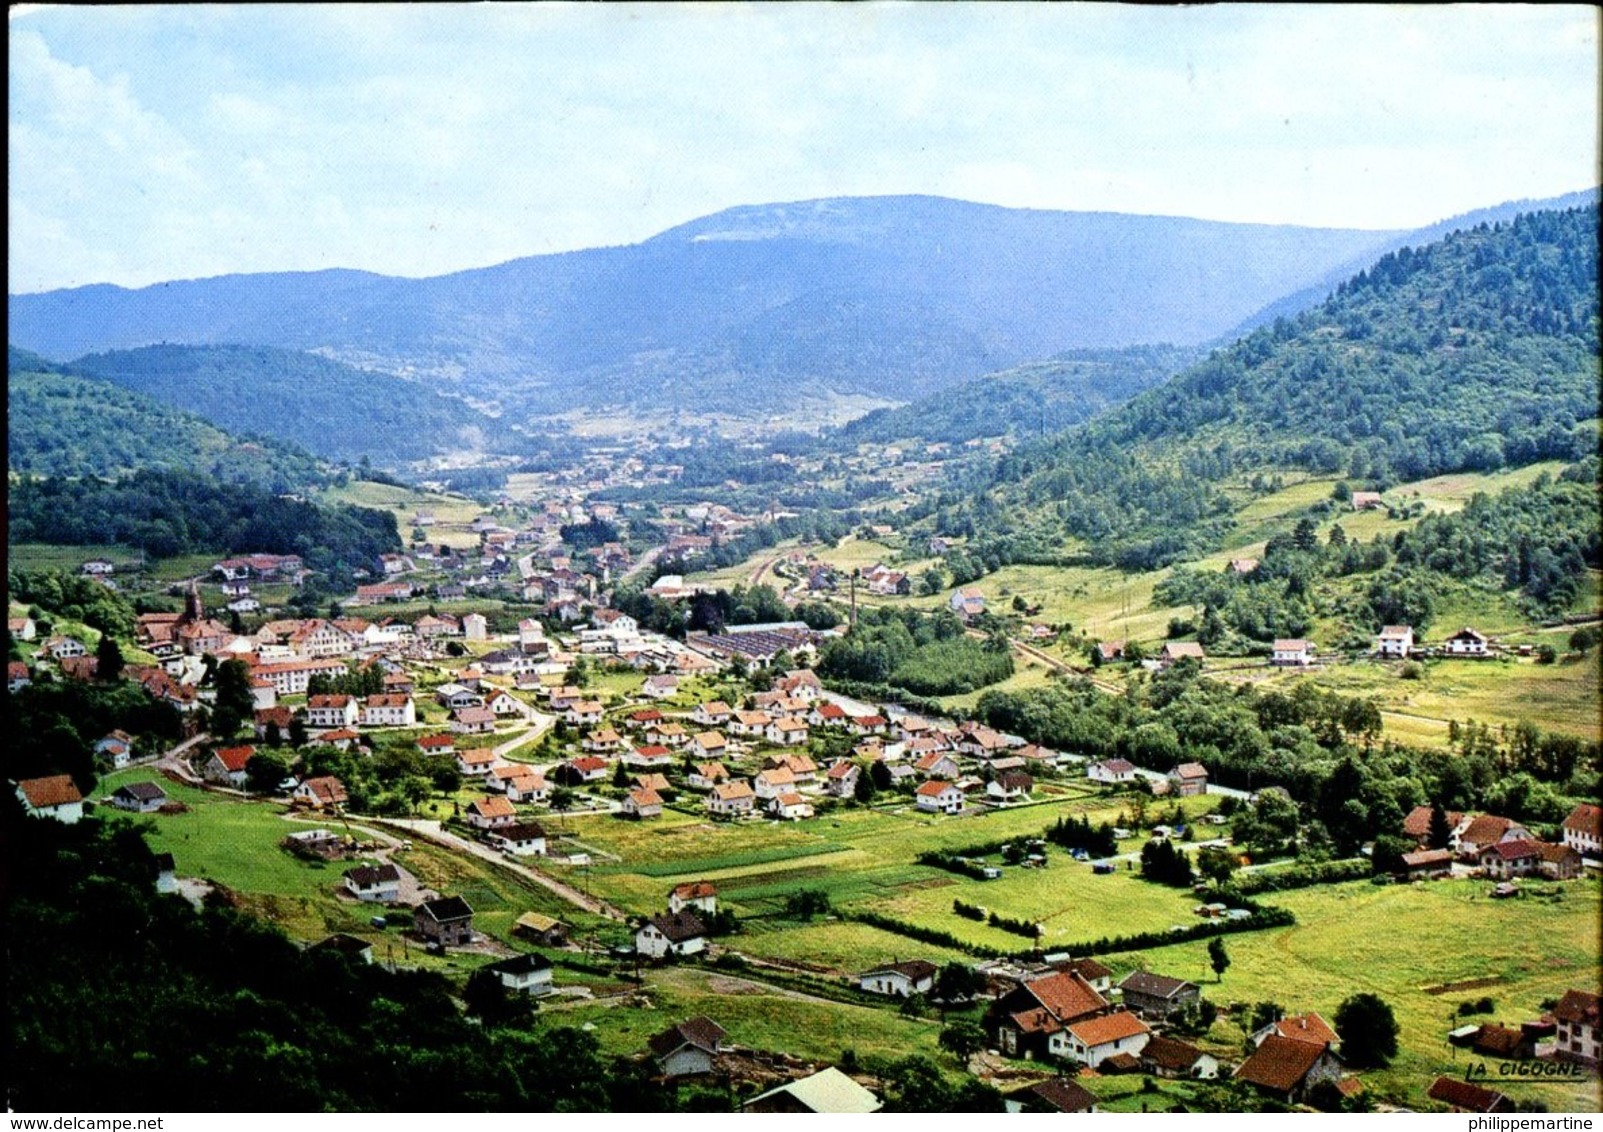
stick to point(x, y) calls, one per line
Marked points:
point(194, 609)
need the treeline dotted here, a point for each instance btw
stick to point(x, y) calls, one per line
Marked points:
point(172, 513)
point(926, 654)
point(118, 998)
point(1078, 833)
point(1323, 749)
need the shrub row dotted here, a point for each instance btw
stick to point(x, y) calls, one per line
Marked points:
point(969, 911)
point(922, 934)
point(1018, 927)
point(1298, 876)
point(951, 863)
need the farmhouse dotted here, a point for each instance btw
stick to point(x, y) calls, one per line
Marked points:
point(689, 1048)
point(1292, 651)
point(899, 980)
point(1299, 1028)
point(476, 763)
point(1463, 1096)
point(1157, 996)
point(1169, 1057)
point(447, 921)
point(1111, 771)
point(323, 792)
point(1056, 1095)
point(1009, 786)
point(473, 721)
point(1286, 1069)
point(519, 839)
point(1583, 830)
point(525, 974)
point(1189, 779)
point(790, 807)
point(677, 933)
point(841, 779)
point(380, 883)
point(1173, 652)
point(1091, 1041)
point(1467, 642)
point(1022, 1021)
point(139, 797)
point(528, 787)
point(1395, 642)
point(643, 803)
point(226, 766)
point(1506, 859)
point(1487, 830)
point(1580, 1028)
point(540, 928)
point(704, 776)
point(54, 796)
point(1425, 863)
point(701, 895)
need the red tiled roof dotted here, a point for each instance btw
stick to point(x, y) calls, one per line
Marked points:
point(234, 758)
point(1108, 1028)
point(54, 790)
point(1066, 995)
point(1585, 819)
point(1462, 1094)
point(1280, 1063)
point(1306, 1028)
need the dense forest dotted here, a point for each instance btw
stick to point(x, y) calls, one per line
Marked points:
point(65, 424)
point(926, 654)
point(168, 513)
point(1033, 400)
point(329, 408)
point(1475, 353)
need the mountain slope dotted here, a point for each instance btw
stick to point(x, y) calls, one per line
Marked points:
point(1476, 352)
point(331, 409)
point(753, 307)
point(61, 423)
point(1030, 400)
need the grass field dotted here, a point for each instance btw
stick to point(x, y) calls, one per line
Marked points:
point(755, 1016)
point(1559, 697)
point(452, 513)
point(1401, 941)
point(865, 859)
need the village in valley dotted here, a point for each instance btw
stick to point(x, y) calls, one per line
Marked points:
point(695, 846)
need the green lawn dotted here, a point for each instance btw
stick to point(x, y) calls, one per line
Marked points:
point(1400, 942)
point(755, 1017)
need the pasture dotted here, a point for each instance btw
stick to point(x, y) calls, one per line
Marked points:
point(1405, 943)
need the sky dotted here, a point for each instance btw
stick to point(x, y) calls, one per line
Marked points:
point(154, 142)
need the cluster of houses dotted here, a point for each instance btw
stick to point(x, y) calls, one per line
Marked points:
point(1397, 642)
point(1500, 848)
point(946, 768)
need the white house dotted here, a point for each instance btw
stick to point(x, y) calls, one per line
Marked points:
point(1111, 771)
point(52, 797)
point(1466, 642)
point(490, 813)
point(1010, 786)
point(526, 974)
point(701, 895)
point(379, 883)
point(730, 799)
point(520, 839)
point(1395, 642)
point(939, 797)
point(1093, 1040)
point(1583, 830)
point(841, 781)
point(899, 980)
point(677, 933)
point(1292, 651)
point(790, 807)
point(389, 711)
point(330, 712)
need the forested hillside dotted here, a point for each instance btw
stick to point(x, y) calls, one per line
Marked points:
point(1474, 353)
point(62, 423)
point(1032, 400)
point(168, 513)
point(332, 409)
